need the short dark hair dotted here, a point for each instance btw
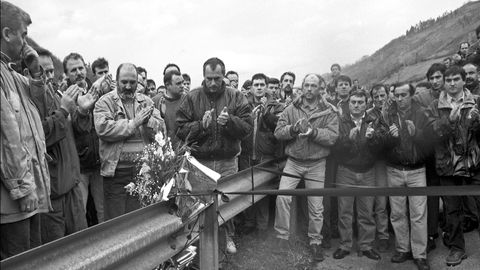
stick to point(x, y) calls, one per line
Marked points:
point(260, 76)
point(358, 93)
point(150, 81)
point(447, 58)
point(170, 65)
point(43, 52)
point(213, 62)
point(335, 65)
point(424, 84)
point(343, 78)
point(124, 64)
point(377, 87)
point(12, 17)
point(231, 72)
point(167, 79)
point(411, 89)
point(273, 81)
point(71, 56)
point(186, 77)
point(454, 70)
point(289, 73)
point(140, 70)
point(247, 83)
point(99, 63)
point(464, 42)
point(436, 67)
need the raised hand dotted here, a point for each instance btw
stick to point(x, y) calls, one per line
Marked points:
point(354, 132)
point(454, 114)
point(300, 126)
point(207, 118)
point(86, 102)
point(308, 132)
point(30, 57)
point(68, 101)
point(410, 127)
point(222, 119)
point(143, 116)
point(393, 129)
point(369, 131)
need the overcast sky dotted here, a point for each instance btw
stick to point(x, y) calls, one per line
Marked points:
point(249, 36)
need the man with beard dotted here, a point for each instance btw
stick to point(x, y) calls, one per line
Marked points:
point(233, 78)
point(471, 79)
point(310, 127)
point(213, 119)
point(168, 103)
point(287, 80)
point(25, 180)
point(125, 122)
point(62, 117)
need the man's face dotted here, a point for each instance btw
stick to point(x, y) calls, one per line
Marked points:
point(151, 89)
point(175, 88)
point(437, 80)
point(464, 48)
point(287, 83)
point(454, 84)
point(259, 87)
point(335, 71)
point(100, 71)
point(272, 88)
point(142, 78)
point(472, 74)
point(402, 97)
point(127, 80)
point(343, 89)
point(311, 88)
point(76, 72)
point(357, 105)
point(446, 62)
point(233, 79)
point(186, 85)
point(379, 97)
point(213, 78)
point(47, 64)
point(17, 42)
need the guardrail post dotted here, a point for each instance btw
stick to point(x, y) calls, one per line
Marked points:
point(209, 237)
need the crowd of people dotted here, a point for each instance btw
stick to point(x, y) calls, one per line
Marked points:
point(65, 142)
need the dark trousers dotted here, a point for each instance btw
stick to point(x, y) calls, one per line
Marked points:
point(330, 204)
point(433, 203)
point(19, 236)
point(455, 212)
point(117, 201)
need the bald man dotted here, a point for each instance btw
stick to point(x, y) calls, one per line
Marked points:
point(125, 122)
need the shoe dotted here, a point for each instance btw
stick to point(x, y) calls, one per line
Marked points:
point(231, 248)
point(455, 257)
point(400, 257)
point(326, 244)
point(317, 252)
point(383, 245)
point(431, 244)
point(371, 254)
point(421, 264)
point(445, 236)
point(340, 253)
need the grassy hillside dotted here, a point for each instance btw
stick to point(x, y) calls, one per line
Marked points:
point(408, 57)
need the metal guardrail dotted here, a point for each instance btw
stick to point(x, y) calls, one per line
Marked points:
point(142, 239)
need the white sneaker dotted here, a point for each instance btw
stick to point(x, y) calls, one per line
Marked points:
point(231, 248)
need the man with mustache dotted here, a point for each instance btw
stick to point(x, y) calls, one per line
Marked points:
point(471, 80)
point(125, 121)
point(287, 80)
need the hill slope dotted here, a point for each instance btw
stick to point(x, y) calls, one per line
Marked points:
point(408, 57)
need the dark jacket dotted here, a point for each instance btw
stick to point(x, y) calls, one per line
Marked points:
point(359, 154)
point(457, 151)
point(406, 150)
point(216, 142)
point(168, 108)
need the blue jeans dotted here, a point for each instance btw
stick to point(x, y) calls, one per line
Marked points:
point(411, 236)
point(309, 169)
point(366, 221)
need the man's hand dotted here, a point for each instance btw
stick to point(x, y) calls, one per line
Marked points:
point(223, 117)
point(263, 100)
point(68, 101)
point(143, 116)
point(29, 203)
point(474, 113)
point(86, 102)
point(288, 100)
point(300, 126)
point(207, 118)
point(353, 133)
point(410, 127)
point(307, 133)
point(30, 57)
point(454, 114)
point(369, 132)
point(393, 129)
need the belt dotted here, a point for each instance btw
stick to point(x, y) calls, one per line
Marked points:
point(406, 167)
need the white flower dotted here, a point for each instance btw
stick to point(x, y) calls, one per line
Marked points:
point(130, 187)
point(159, 152)
point(160, 139)
point(145, 169)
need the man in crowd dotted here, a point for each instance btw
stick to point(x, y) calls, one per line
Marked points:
point(186, 82)
point(151, 88)
point(331, 86)
point(471, 79)
point(310, 128)
point(447, 61)
point(247, 85)
point(100, 68)
point(168, 104)
point(25, 179)
point(272, 87)
point(356, 149)
point(232, 77)
point(343, 86)
point(463, 52)
point(259, 146)
point(455, 122)
point(407, 150)
point(213, 119)
point(379, 94)
point(125, 121)
point(436, 80)
point(169, 67)
point(287, 80)
point(141, 79)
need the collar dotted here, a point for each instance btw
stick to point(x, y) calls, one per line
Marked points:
point(308, 106)
point(5, 58)
point(216, 94)
point(361, 118)
point(451, 99)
